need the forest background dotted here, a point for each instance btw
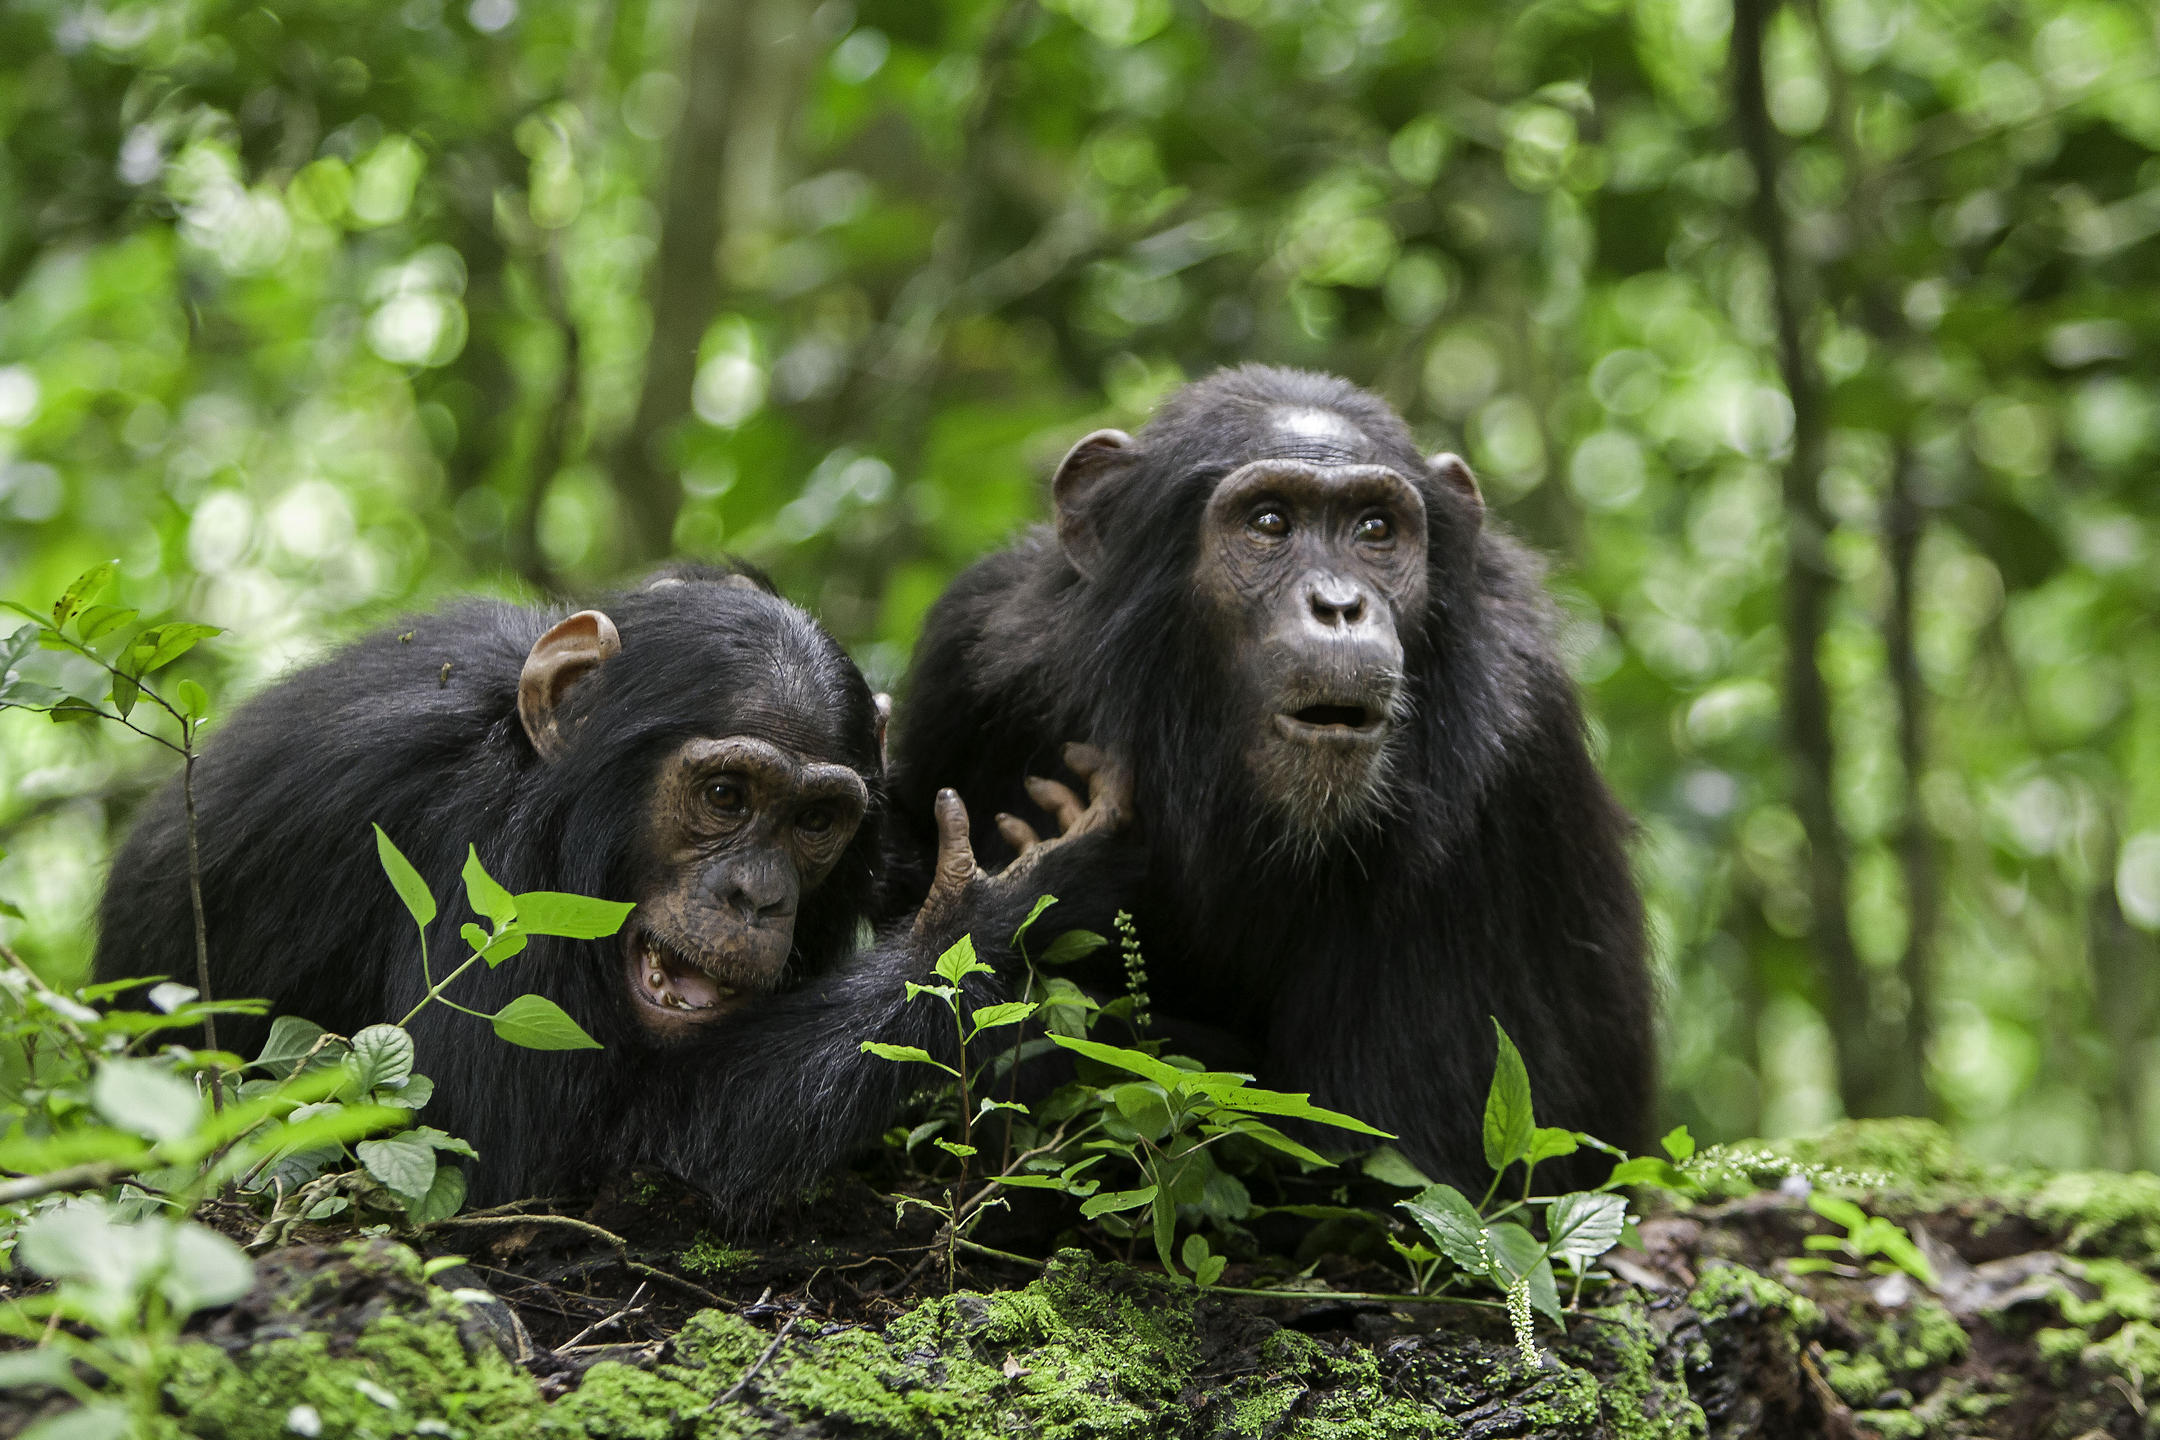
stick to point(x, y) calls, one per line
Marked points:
point(1815, 343)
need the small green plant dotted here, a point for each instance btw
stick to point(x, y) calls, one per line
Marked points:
point(1157, 1120)
point(1869, 1240)
point(1496, 1241)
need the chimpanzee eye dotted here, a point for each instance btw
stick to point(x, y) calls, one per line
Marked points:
point(1375, 528)
point(1270, 521)
point(817, 820)
point(728, 795)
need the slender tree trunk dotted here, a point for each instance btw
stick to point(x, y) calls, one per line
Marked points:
point(683, 288)
point(1907, 1091)
point(1864, 1059)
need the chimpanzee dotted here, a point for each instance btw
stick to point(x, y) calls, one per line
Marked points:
point(1369, 816)
point(698, 746)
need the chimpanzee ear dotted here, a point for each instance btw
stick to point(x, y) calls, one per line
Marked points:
point(1450, 470)
point(558, 660)
point(1084, 467)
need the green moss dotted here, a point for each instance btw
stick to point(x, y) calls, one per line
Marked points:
point(1858, 1379)
point(1912, 1153)
point(707, 1256)
point(1922, 1338)
point(1643, 1398)
point(2132, 1352)
point(1308, 1390)
point(1725, 1287)
point(2126, 1293)
point(2103, 1212)
point(400, 1377)
point(1893, 1424)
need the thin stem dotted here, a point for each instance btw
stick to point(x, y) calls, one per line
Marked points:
point(195, 900)
point(435, 992)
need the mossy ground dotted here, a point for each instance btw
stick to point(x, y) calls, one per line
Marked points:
point(2045, 1323)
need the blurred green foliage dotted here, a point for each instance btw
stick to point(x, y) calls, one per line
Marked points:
point(313, 311)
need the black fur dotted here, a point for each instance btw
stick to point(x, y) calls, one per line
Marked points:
point(1496, 884)
point(751, 1109)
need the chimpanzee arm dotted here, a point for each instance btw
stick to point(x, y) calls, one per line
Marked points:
point(781, 1094)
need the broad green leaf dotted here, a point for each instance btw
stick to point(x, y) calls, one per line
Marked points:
point(905, 1054)
point(146, 1099)
point(98, 621)
point(125, 691)
point(74, 710)
point(87, 587)
point(958, 962)
point(1292, 1107)
point(1269, 1136)
point(290, 1038)
point(538, 1023)
point(405, 1163)
point(485, 896)
point(1838, 1209)
point(97, 1420)
point(1519, 1258)
point(1581, 1226)
point(946, 993)
point(321, 1127)
point(1453, 1225)
point(1646, 1170)
point(381, 1058)
point(160, 645)
point(497, 949)
point(990, 1017)
point(1386, 1164)
point(1550, 1143)
point(1112, 1201)
point(1195, 1257)
point(1508, 1121)
point(444, 1195)
point(193, 701)
point(1162, 1212)
point(34, 1154)
point(954, 1147)
point(411, 889)
point(18, 644)
point(1070, 946)
point(574, 917)
point(413, 1094)
point(170, 995)
point(1138, 1062)
point(1144, 1107)
point(445, 1141)
point(1679, 1144)
point(47, 1367)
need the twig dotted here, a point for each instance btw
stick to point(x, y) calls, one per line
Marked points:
point(1363, 1295)
point(756, 1365)
point(483, 1222)
point(629, 1308)
point(636, 1267)
point(95, 1172)
point(1006, 1255)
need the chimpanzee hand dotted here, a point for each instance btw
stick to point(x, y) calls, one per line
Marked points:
point(953, 888)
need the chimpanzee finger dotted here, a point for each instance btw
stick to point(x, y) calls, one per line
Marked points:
point(1018, 833)
point(956, 869)
point(1063, 805)
point(1109, 784)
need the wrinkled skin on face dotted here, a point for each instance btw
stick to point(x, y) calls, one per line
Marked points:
point(741, 830)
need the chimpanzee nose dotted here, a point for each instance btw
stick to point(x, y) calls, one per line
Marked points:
point(757, 894)
point(1336, 602)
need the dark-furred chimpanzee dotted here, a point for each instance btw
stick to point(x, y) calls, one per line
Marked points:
point(1358, 766)
point(698, 746)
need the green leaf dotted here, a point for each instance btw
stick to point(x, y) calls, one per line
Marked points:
point(23, 1368)
point(1293, 1107)
point(411, 889)
point(538, 1023)
point(87, 587)
point(193, 700)
point(1581, 1226)
point(1070, 946)
point(1646, 1170)
point(125, 691)
point(1508, 1121)
point(290, 1038)
point(97, 1420)
point(1679, 1144)
point(1549, 1143)
point(160, 645)
point(494, 949)
point(74, 710)
point(1269, 1136)
point(905, 1054)
point(1146, 1066)
point(1042, 903)
point(943, 992)
point(1386, 1164)
point(1144, 1107)
point(444, 1197)
point(1112, 1201)
point(443, 1140)
point(954, 1147)
point(574, 917)
point(990, 1017)
point(1838, 1209)
point(959, 962)
point(1520, 1258)
point(146, 1099)
point(98, 621)
point(404, 1163)
point(381, 1058)
point(1453, 1225)
point(1163, 1212)
point(486, 897)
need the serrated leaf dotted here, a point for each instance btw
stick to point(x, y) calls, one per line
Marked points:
point(1521, 1260)
point(419, 900)
point(1550, 1143)
point(443, 1199)
point(381, 1058)
point(1452, 1223)
point(402, 1162)
point(290, 1038)
point(87, 587)
point(1508, 1120)
point(1646, 1170)
point(958, 962)
point(1071, 946)
point(483, 894)
point(1583, 1225)
point(538, 1023)
point(574, 917)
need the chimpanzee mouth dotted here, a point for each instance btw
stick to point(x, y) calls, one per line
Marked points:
point(1334, 722)
point(664, 978)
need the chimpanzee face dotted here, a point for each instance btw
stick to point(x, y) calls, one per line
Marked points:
point(1310, 568)
point(741, 829)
